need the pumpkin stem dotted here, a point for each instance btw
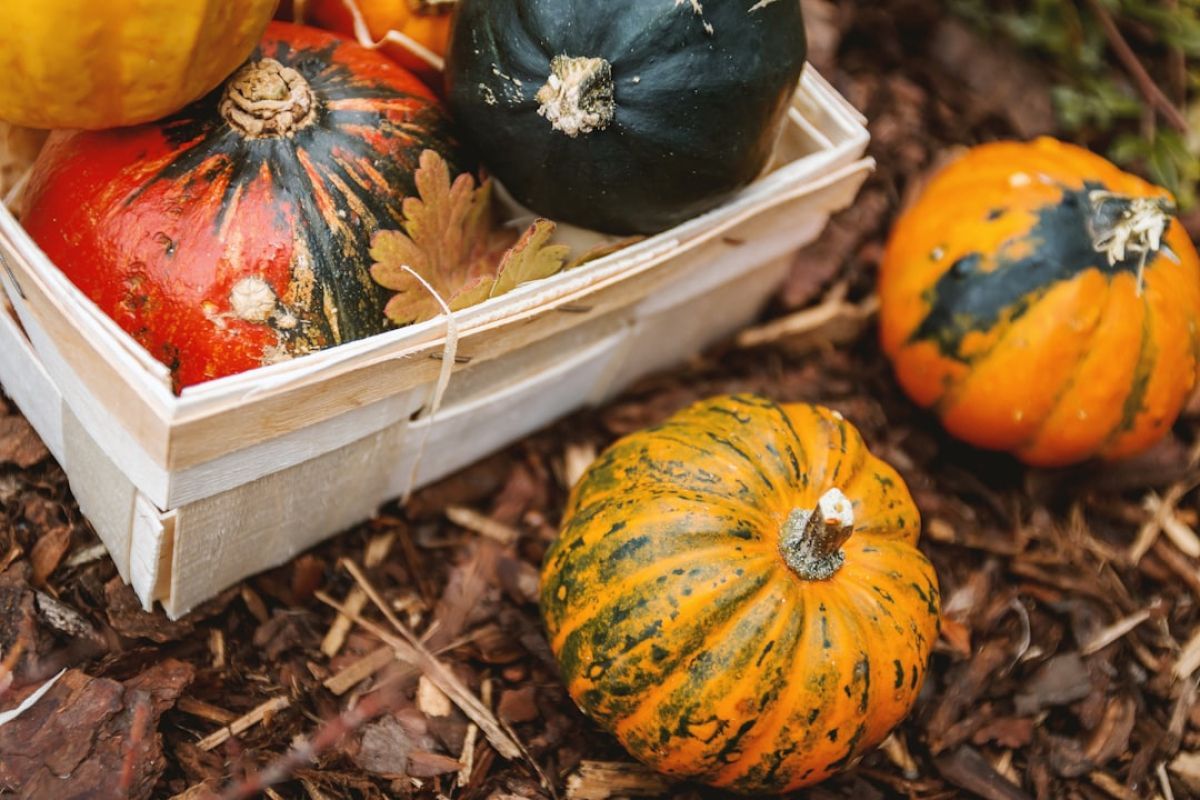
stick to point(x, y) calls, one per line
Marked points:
point(811, 541)
point(265, 99)
point(1127, 226)
point(578, 96)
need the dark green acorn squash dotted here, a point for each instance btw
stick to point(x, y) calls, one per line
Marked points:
point(626, 116)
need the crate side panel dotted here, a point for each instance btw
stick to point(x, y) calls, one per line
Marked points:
point(105, 495)
point(221, 539)
point(273, 455)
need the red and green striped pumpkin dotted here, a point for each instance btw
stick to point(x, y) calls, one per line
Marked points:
point(237, 232)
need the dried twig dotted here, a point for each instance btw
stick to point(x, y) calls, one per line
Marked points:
point(482, 524)
point(499, 733)
point(1112, 633)
point(1146, 85)
point(415, 653)
point(1162, 518)
point(306, 750)
point(335, 637)
point(244, 722)
point(600, 780)
point(360, 670)
point(203, 710)
point(820, 321)
point(1189, 659)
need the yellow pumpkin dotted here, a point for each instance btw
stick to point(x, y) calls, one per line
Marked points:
point(79, 64)
point(737, 595)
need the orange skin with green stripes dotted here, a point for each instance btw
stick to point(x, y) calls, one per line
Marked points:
point(680, 627)
point(1071, 361)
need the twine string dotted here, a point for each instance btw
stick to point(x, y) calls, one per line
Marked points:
point(449, 353)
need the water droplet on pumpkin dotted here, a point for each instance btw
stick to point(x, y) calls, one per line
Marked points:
point(168, 244)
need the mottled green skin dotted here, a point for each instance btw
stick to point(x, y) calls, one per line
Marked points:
point(680, 628)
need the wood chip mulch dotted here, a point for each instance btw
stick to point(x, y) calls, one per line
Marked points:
point(404, 658)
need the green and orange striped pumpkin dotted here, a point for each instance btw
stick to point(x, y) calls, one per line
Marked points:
point(1043, 302)
point(737, 595)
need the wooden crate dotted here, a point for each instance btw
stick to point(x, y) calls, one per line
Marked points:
point(191, 493)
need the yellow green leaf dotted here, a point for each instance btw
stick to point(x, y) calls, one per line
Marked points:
point(531, 258)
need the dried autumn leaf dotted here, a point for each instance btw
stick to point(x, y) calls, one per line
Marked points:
point(450, 242)
point(447, 239)
point(531, 258)
point(604, 249)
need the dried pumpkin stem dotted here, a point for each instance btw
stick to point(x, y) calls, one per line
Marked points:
point(265, 99)
point(811, 541)
point(578, 96)
point(1123, 226)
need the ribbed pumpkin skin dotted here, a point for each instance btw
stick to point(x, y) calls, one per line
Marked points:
point(680, 628)
point(999, 314)
point(220, 252)
point(83, 64)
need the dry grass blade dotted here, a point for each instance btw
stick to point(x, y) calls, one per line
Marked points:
point(897, 752)
point(576, 459)
point(86, 556)
point(244, 722)
point(1189, 659)
point(499, 733)
point(378, 549)
point(1164, 781)
point(482, 524)
point(1112, 633)
point(415, 653)
point(360, 670)
point(468, 757)
point(203, 710)
point(600, 780)
point(335, 637)
point(1163, 519)
point(827, 320)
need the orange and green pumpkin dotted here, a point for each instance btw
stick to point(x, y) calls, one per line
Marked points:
point(1043, 302)
point(737, 595)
